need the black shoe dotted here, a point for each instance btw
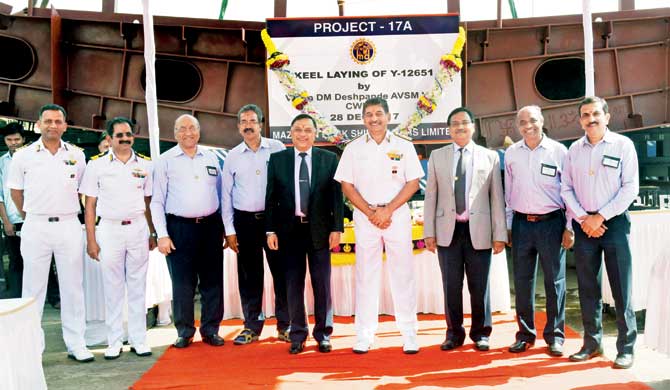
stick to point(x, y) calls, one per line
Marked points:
point(297, 347)
point(182, 342)
point(520, 346)
point(585, 354)
point(555, 349)
point(214, 340)
point(623, 360)
point(324, 346)
point(450, 344)
point(482, 345)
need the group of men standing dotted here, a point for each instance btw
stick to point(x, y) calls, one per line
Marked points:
point(287, 204)
point(555, 198)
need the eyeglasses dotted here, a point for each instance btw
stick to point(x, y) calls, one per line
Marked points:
point(252, 122)
point(184, 129)
point(126, 134)
point(461, 123)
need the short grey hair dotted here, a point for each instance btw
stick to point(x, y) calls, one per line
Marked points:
point(186, 116)
point(532, 108)
point(251, 107)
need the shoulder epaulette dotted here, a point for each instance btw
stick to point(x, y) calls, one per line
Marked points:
point(140, 155)
point(24, 146)
point(354, 139)
point(97, 156)
point(75, 146)
point(406, 138)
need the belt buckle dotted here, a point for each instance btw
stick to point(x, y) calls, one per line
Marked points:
point(303, 219)
point(532, 218)
point(259, 216)
point(198, 219)
point(53, 219)
point(124, 223)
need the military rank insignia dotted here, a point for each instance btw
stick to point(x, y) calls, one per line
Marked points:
point(70, 162)
point(394, 155)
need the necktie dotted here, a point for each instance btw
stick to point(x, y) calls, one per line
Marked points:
point(459, 184)
point(303, 182)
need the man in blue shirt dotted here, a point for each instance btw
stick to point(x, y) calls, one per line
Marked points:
point(600, 182)
point(10, 216)
point(243, 207)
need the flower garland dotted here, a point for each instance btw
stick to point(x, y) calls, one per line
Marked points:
point(278, 62)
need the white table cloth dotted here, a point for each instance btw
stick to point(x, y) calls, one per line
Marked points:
point(649, 238)
point(430, 297)
point(21, 345)
point(657, 322)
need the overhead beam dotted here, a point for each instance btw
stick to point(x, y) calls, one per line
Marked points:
point(280, 8)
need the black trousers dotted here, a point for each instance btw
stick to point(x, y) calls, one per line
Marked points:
point(618, 260)
point(457, 260)
point(533, 242)
point(251, 240)
point(296, 252)
point(197, 261)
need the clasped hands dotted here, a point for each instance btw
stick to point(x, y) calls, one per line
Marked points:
point(380, 216)
point(593, 225)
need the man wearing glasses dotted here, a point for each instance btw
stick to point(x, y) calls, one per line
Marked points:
point(464, 219)
point(185, 211)
point(118, 185)
point(243, 208)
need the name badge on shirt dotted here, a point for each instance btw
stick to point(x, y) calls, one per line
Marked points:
point(612, 162)
point(548, 170)
point(211, 171)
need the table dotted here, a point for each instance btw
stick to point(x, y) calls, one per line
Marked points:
point(657, 322)
point(21, 345)
point(649, 235)
point(430, 297)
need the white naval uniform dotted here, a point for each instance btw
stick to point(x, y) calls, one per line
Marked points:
point(379, 172)
point(51, 203)
point(123, 237)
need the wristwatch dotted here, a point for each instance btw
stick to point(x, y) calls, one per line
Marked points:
point(153, 235)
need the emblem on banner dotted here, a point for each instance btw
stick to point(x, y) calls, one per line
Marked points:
point(363, 51)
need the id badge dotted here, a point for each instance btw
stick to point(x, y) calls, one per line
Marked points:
point(212, 171)
point(548, 170)
point(610, 161)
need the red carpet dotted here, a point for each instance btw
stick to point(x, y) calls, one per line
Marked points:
point(267, 364)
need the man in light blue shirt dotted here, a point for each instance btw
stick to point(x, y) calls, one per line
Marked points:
point(600, 182)
point(10, 216)
point(243, 208)
point(185, 212)
point(536, 222)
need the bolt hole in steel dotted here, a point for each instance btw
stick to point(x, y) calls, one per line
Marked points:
point(176, 81)
point(561, 79)
point(23, 58)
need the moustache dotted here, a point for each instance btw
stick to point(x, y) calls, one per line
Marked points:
point(125, 142)
point(593, 123)
point(248, 130)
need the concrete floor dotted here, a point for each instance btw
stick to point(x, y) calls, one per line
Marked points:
point(62, 373)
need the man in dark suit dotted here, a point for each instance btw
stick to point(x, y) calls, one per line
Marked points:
point(304, 210)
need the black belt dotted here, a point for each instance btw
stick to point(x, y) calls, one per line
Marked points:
point(591, 212)
point(539, 217)
point(300, 219)
point(250, 214)
point(196, 220)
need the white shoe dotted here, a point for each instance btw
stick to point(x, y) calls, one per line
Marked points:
point(113, 351)
point(82, 355)
point(362, 346)
point(410, 346)
point(141, 350)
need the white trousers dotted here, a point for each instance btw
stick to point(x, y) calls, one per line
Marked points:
point(40, 239)
point(124, 259)
point(397, 241)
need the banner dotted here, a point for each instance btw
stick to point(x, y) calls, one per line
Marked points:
point(342, 62)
